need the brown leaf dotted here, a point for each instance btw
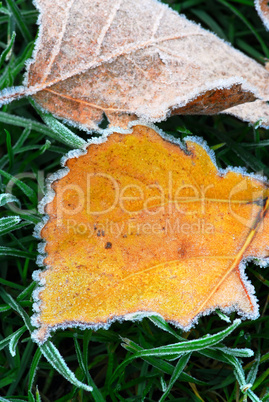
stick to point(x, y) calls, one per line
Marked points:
point(138, 224)
point(262, 7)
point(136, 58)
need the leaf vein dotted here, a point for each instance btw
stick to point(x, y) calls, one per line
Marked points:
point(57, 48)
point(106, 27)
point(157, 22)
point(108, 59)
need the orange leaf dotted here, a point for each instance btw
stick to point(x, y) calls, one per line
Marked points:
point(141, 224)
point(136, 58)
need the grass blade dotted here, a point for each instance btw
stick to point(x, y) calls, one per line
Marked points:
point(161, 323)
point(10, 251)
point(9, 223)
point(7, 49)
point(33, 368)
point(160, 364)
point(251, 377)
point(22, 186)
point(62, 132)
point(253, 397)
point(9, 149)
point(5, 198)
point(19, 20)
point(14, 340)
point(5, 342)
point(186, 346)
point(51, 353)
point(178, 370)
point(96, 394)
point(236, 352)
point(16, 306)
point(254, 31)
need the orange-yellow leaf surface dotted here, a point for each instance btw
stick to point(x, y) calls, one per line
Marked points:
point(138, 224)
point(136, 58)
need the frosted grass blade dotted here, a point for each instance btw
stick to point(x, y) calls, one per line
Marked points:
point(48, 350)
point(178, 370)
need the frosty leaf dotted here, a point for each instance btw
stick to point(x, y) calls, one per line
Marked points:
point(262, 7)
point(140, 225)
point(257, 111)
point(136, 58)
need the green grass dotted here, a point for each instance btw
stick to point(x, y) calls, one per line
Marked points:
point(132, 361)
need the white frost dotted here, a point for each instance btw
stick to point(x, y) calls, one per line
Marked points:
point(264, 17)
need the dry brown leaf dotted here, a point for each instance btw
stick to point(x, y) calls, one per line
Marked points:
point(262, 7)
point(136, 58)
point(139, 225)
